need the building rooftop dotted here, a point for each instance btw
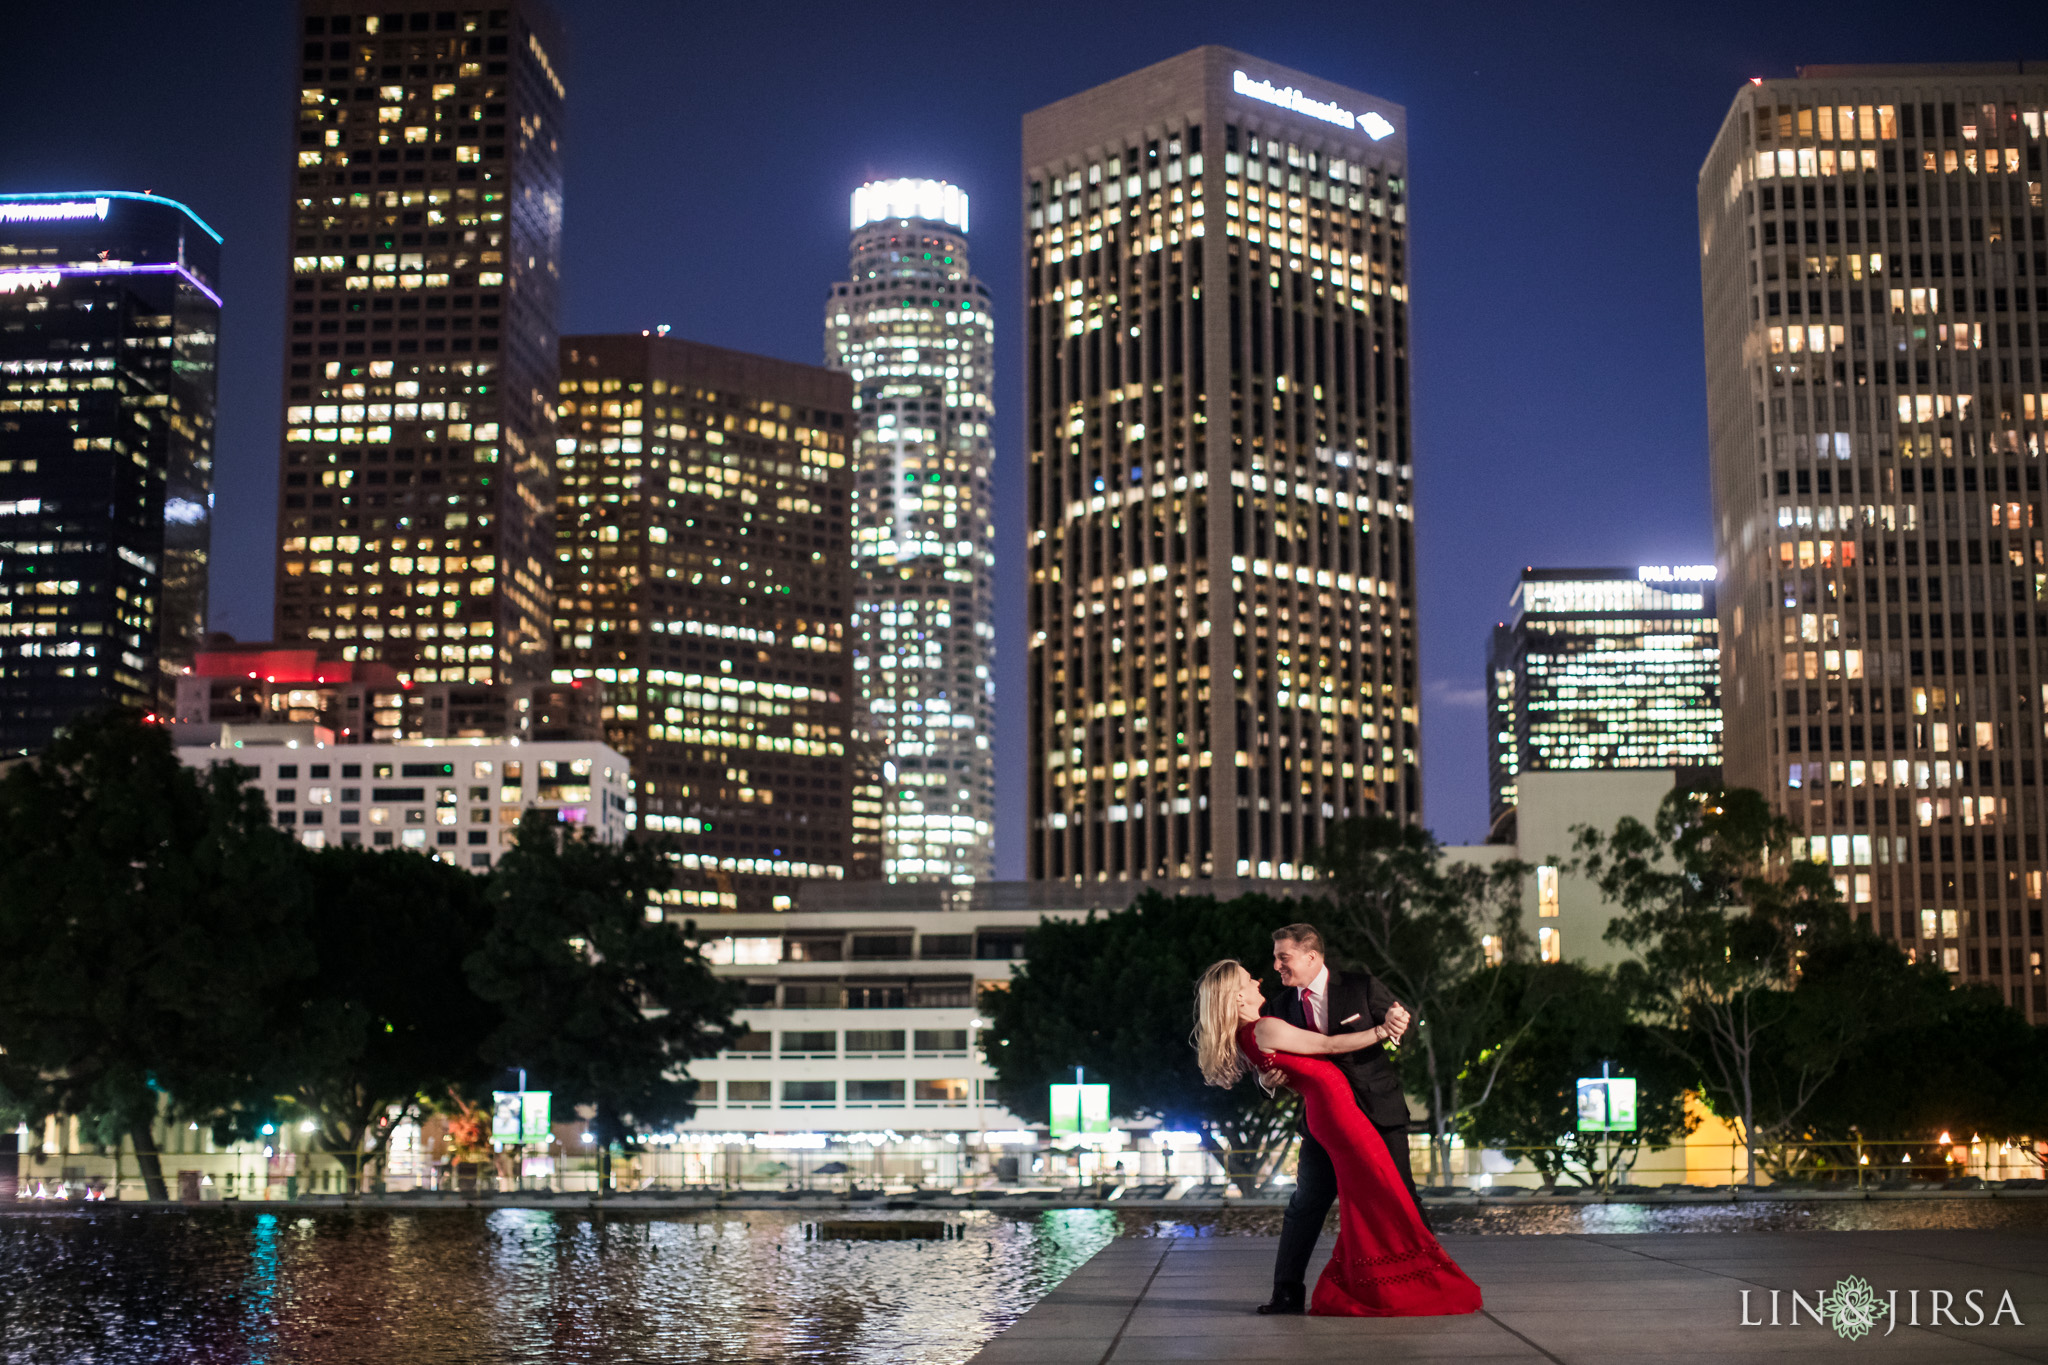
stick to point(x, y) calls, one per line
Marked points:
point(54, 206)
point(1914, 69)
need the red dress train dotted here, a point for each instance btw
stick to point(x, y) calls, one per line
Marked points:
point(1385, 1264)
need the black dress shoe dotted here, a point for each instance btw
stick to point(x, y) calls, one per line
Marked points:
point(1287, 1298)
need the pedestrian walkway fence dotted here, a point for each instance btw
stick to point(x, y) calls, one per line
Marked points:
point(1144, 1163)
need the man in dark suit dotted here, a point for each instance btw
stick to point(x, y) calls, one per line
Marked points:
point(1321, 999)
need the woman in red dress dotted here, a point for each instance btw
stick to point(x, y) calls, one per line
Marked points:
point(1385, 1263)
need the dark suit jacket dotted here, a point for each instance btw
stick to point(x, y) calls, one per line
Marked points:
point(1374, 1081)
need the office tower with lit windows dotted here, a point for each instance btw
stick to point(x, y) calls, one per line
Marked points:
point(913, 328)
point(1222, 602)
point(415, 524)
point(703, 575)
point(109, 326)
point(1874, 272)
point(1599, 669)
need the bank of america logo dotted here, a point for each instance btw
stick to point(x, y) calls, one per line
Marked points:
point(1853, 1308)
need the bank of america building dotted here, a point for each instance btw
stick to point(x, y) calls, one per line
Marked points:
point(1874, 268)
point(1222, 607)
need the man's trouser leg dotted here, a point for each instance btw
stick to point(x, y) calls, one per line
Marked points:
point(1314, 1191)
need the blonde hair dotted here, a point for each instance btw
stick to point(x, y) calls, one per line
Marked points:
point(1215, 1040)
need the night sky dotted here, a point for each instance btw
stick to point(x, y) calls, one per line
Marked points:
point(1560, 413)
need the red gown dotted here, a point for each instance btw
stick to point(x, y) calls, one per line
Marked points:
point(1385, 1264)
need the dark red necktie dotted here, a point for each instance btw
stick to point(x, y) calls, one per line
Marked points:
point(1308, 1010)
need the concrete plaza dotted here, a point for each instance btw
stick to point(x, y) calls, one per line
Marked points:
point(1569, 1299)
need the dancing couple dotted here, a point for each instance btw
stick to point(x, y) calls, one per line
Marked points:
point(1322, 1038)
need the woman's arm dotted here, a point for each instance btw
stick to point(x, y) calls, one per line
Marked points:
point(1277, 1035)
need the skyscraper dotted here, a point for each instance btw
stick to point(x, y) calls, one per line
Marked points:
point(703, 576)
point(109, 324)
point(415, 525)
point(1876, 296)
point(914, 329)
point(1222, 603)
point(1604, 668)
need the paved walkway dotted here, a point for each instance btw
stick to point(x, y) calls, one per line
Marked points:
point(1567, 1299)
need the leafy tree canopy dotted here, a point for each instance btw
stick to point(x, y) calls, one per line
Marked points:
point(597, 1002)
point(388, 1021)
point(1428, 929)
point(146, 932)
point(1577, 1019)
point(1115, 994)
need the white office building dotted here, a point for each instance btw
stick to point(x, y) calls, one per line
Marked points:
point(458, 799)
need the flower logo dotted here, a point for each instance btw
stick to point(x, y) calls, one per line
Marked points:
point(1853, 1308)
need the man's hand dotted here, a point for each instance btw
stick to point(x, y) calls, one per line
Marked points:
point(1396, 1023)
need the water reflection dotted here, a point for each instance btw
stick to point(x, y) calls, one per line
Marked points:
point(518, 1285)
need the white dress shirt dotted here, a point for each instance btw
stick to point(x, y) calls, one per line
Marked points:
point(1315, 1006)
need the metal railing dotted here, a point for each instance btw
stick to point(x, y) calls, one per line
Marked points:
point(1147, 1169)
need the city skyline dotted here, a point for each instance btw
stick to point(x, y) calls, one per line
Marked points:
point(703, 576)
point(109, 339)
point(1489, 303)
point(426, 247)
point(915, 329)
point(1221, 484)
point(1874, 261)
point(1598, 669)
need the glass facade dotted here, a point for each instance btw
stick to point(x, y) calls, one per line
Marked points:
point(415, 522)
point(914, 330)
point(1875, 272)
point(1222, 603)
point(109, 327)
point(703, 577)
point(1604, 668)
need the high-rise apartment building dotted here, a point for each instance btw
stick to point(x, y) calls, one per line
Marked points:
point(1599, 669)
point(1875, 277)
point(704, 576)
point(109, 325)
point(1222, 602)
point(415, 524)
point(914, 330)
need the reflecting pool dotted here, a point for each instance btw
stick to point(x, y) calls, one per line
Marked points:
point(517, 1285)
point(225, 1287)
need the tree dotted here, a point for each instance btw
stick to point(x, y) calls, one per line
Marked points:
point(1115, 994)
point(1578, 1019)
point(597, 1002)
point(1428, 931)
point(148, 917)
point(1937, 1058)
point(1721, 919)
point(388, 1021)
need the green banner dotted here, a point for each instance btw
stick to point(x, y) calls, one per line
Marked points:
point(519, 1118)
point(1607, 1104)
point(1079, 1109)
